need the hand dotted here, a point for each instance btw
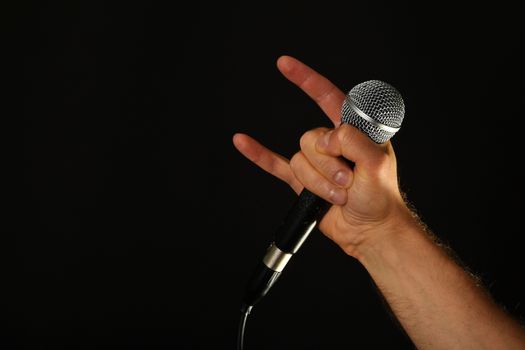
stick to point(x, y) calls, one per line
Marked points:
point(367, 201)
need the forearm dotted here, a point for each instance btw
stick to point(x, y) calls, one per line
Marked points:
point(438, 303)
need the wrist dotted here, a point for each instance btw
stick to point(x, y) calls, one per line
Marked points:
point(386, 240)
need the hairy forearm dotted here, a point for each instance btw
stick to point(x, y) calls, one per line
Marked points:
point(438, 303)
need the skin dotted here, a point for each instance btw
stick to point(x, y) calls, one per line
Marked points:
point(439, 305)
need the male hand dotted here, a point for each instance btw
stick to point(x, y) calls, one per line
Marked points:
point(367, 201)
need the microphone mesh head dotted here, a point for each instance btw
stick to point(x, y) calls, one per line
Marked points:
point(380, 102)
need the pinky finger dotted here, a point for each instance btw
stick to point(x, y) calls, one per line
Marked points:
point(269, 161)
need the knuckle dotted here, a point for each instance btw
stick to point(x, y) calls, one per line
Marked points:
point(346, 135)
point(295, 161)
point(310, 137)
point(307, 138)
point(303, 141)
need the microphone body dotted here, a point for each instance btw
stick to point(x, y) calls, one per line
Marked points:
point(290, 236)
point(376, 109)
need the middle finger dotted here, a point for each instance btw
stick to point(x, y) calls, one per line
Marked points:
point(334, 169)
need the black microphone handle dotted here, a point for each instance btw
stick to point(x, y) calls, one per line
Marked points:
point(304, 216)
point(308, 210)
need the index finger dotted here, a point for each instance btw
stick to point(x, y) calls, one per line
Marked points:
point(320, 89)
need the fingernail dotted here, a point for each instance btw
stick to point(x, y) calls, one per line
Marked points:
point(323, 140)
point(341, 177)
point(338, 196)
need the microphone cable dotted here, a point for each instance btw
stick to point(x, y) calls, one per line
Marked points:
point(245, 311)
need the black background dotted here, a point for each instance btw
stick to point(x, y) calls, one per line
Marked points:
point(137, 223)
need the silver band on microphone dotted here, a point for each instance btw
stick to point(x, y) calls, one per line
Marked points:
point(370, 120)
point(275, 259)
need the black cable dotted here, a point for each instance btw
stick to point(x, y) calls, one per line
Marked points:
point(245, 311)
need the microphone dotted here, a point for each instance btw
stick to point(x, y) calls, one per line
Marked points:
point(376, 109)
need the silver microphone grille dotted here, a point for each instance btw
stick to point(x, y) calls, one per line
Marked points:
point(374, 107)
